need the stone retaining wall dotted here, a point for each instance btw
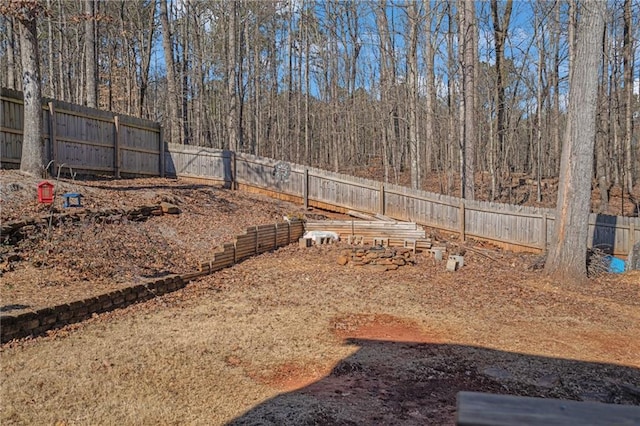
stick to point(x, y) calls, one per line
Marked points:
point(15, 230)
point(34, 323)
point(15, 326)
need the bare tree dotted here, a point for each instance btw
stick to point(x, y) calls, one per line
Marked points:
point(415, 148)
point(90, 53)
point(172, 100)
point(26, 12)
point(500, 31)
point(469, 133)
point(628, 98)
point(232, 78)
point(10, 38)
point(568, 253)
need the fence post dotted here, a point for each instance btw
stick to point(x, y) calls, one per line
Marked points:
point(234, 182)
point(381, 201)
point(162, 151)
point(306, 188)
point(116, 166)
point(53, 149)
point(632, 235)
point(543, 232)
point(461, 219)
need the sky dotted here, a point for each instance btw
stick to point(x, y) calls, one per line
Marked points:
point(520, 43)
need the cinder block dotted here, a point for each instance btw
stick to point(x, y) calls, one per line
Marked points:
point(452, 264)
point(459, 259)
point(437, 254)
point(305, 242)
point(410, 244)
point(381, 241)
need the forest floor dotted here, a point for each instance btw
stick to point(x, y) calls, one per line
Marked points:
point(290, 337)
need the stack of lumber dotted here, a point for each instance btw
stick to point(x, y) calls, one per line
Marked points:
point(396, 232)
point(255, 240)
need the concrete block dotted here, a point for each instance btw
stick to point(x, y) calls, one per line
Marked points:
point(305, 242)
point(459, 259)
point(452, 264)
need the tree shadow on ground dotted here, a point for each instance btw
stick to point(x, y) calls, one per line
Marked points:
point(390, 382)
point(13, 307)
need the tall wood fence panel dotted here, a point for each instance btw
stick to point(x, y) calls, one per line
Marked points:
point(84, 140)
point(347, 192)
point(12, 116)
point(269, 174)
point(427, 208)
point(198, 162)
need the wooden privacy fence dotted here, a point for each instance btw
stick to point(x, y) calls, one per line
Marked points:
point(515, 227)
point(96, 141)
point(84, 139)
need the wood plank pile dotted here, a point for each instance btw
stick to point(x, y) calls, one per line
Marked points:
point(392, 233)
point(255, 240)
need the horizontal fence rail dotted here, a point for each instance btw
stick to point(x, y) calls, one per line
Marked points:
point(98, 141)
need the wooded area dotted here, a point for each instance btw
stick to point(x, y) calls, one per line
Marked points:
point(459, 88)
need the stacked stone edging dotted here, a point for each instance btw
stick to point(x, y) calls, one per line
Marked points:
point(33, 323)
point(14, 230)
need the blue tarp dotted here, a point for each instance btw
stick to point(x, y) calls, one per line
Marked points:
point(616, 265)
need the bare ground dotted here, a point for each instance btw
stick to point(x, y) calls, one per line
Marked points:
point(291, 337)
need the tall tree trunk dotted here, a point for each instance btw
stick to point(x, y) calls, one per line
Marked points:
point(51, 80)
point(33, 156)
point(172, 99)
point(628, 101)
point(555, 77)
point(388, 94)
point(451, 103)
point(90, 53)
point(11, 55)
point(540, 95)
point(63, 92)
point(470, 134)
point(500, 31)
point(601, 165)
point(146, 48)
point(232, 107)
point(568, 253)
point(431, 91)
point(412, 94)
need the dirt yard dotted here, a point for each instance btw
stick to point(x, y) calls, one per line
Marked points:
point(291, 337)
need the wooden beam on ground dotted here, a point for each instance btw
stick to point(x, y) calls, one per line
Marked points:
point(385, 218)
point(360, 215)
point(484, 409)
